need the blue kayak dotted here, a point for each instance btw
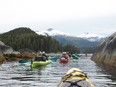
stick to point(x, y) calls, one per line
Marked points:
point(74, 56)
point(54, 59)
point(23, 61)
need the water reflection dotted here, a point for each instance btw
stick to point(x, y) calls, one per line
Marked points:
point(110, 74)
point(107, 69)
point(13, 74)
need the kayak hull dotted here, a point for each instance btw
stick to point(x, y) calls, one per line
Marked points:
point(63, 60)
point(23, 61)
point(74, 56)
point(75, 77)
point(54, 59)
point(40, 63)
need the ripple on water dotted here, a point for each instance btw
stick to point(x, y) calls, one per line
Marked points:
point(13, 74)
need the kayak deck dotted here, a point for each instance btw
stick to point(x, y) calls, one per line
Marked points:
point(75, 78)
point(40, 63)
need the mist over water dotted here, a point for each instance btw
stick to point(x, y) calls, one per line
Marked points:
point(14, 74)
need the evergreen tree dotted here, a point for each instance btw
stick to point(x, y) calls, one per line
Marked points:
point(23, 37)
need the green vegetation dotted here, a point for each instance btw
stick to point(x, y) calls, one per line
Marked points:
point(23, 37)
point(89, 49)
point(72, 48)
point(84, 45)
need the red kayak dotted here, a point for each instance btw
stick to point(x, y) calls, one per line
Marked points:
point(63, 60)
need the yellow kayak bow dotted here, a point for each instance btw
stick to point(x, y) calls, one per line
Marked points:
point(75, 78)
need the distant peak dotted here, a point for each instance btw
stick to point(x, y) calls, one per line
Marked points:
point(50, 29)
point(52, 32)
point(91, 36)
point(86, 33)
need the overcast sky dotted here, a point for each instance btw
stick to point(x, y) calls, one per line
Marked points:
point(71, 16)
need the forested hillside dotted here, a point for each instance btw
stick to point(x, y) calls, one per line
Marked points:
point(84, 45)
point(23, 37)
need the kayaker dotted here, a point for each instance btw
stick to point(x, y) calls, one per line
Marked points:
point(44, 55)
point(40, 57)
point(65, 55)
point(68, 55)
point(39, 54)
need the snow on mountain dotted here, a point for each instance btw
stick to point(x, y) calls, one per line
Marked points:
point(88, 36)
point(51, 32)
point(91, 37)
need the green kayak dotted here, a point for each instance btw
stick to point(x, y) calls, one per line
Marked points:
point(40, 63)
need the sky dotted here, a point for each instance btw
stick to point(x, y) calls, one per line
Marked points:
point(70, 16)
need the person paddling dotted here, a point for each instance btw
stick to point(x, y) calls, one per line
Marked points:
point(64, 55)
point(44, 55)
point(40, 57)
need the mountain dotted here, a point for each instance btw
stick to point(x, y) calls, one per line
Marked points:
point(84, 44)
point(26, 38)
point(84, 41)
point(91, 37)
point(51, 32)
point(87, 36)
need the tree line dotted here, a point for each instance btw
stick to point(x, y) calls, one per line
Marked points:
point(23, 37)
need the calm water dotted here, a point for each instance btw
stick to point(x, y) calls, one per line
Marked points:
point(13, 74)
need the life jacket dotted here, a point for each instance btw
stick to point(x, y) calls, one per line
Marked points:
point(64, 56)
point(40, 59)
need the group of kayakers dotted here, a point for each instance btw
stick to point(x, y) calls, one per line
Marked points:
point(73, 78)
point(64, 58)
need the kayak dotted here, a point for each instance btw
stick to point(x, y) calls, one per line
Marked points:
point(23, 61)
point(63, 60)
point(54, 59)
point(75, 78)
point(40, 63)
point(74, 56)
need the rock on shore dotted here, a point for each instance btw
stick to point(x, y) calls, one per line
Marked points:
point(2, 59)
point(106, 51)
point(4, 49)
point(7, 54)
point(17, 57)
